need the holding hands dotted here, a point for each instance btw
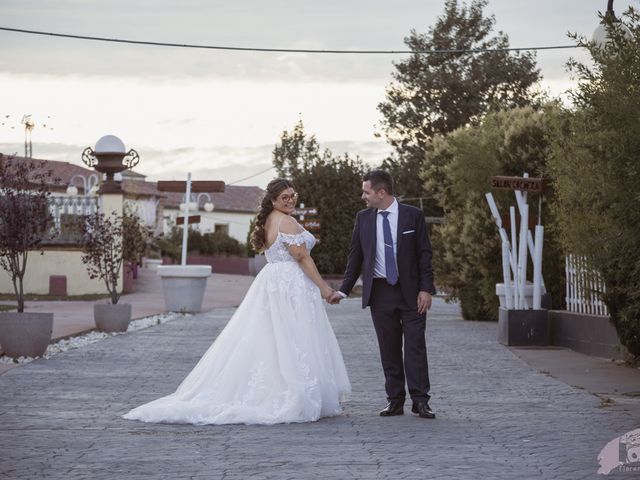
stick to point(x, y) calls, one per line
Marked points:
point(330, 295)
point(335, 298)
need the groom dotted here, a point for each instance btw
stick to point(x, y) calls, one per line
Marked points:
point(391, 249)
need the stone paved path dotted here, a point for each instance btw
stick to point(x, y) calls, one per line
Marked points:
point(497, 417)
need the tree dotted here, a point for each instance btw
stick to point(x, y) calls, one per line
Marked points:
point(596, 170)
point(104, 250)
point(331, 184)
point(437, 93)
point(468, 258)
point(25, 220)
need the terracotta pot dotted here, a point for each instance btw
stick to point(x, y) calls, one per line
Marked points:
point(25, 334)
point(112, 318)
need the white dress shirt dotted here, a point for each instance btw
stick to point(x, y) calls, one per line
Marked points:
point(379, 270)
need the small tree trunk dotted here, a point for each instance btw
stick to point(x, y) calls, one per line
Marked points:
point(21, 294)
point(18, 292)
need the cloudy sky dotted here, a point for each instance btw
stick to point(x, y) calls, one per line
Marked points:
point(219, 113)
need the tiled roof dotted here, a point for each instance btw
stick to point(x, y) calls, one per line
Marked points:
point(234, 199)
point(65, 171)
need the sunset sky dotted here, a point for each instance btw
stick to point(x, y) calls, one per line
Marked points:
point(219, 113)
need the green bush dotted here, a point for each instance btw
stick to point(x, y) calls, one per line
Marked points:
point(595, 166)
point(216, 243)
point(250, 251)
point(467, 253)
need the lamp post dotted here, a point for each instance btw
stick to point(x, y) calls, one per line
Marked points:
point(208, 206)
point(110, 157)
point(88, 184)
point(600, 35)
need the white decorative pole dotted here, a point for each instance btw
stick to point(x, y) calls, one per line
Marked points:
point(537, 268)
point(185, 225)
point(514, 250)
point(522, 255)
point(506, 275)
point(517, 249)
point(506, 254)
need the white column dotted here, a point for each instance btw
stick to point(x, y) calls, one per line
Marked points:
point(110, 203)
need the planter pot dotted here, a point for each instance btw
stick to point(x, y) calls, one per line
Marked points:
point(25, 334)
point(523, 328)
point(153, 263)
point(184, 286)
point(112, 318)
point(256, 264)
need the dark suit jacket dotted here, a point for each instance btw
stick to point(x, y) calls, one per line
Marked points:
point(413, 254)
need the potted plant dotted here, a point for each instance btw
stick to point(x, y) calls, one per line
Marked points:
point(104, 254)
point(25, 222)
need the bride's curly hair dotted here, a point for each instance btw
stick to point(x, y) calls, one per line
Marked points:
point(275, 187)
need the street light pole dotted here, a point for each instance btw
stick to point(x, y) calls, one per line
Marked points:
point(600, 35)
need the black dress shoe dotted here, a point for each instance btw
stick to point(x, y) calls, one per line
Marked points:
point(393, 408)
point(423, 410)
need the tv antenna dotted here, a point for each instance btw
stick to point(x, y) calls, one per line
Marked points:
point(29, 125)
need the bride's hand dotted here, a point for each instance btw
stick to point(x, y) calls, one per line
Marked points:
point(327, 292)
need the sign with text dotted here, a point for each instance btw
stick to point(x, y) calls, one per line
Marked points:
point(524, 184)
point(308, 218)
point(203, 186)
point(305, 211)
point(311, 225)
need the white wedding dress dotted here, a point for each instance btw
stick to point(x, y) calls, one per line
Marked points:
point(276, 361)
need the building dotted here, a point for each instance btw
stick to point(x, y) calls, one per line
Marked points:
point(74, 193)
point(233, 210)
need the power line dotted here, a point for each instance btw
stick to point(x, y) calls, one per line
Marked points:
point(284, 50)
point(251, 176)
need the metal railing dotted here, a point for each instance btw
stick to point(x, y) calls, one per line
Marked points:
point(584, 287)
point(68, 218)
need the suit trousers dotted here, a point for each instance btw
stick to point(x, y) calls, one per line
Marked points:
point(395, 321)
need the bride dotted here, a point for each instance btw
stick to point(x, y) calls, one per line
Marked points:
point(277, 360)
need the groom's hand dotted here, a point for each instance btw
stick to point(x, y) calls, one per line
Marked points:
point(334, 299)
point(424, 302)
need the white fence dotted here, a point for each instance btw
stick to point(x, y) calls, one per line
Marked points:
point(584, 287)
point(67, 213)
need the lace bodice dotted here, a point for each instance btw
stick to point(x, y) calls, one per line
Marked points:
point(278, 252)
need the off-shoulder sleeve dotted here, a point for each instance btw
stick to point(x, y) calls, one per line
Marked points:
point(293, 234)
point(293, 239)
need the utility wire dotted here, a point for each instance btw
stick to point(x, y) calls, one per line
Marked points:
point(282, 50)
point(251, 176)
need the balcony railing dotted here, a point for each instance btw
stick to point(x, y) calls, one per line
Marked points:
point(68, 221)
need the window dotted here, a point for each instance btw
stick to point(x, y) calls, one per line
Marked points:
point(221, 227)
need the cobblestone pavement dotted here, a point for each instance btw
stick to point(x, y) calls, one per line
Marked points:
point(496, 417)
